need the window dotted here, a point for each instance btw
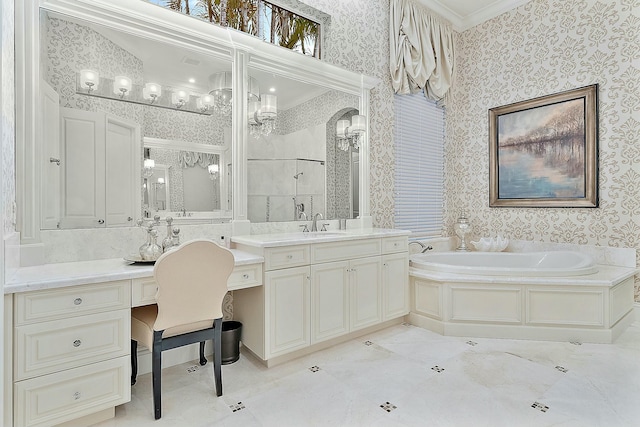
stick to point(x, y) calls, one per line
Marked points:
point(419, 173)
point(260, 18)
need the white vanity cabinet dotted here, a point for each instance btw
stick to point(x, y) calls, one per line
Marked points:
point(319, 292)
point(346, 296)
point(71, 352)
point(288, 309)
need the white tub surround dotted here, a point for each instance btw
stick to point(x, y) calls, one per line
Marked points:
point(321, 288)
point(557, 264)
point(594, 307)
point(67, 336)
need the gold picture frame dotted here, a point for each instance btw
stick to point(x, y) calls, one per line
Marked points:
point(543, 152)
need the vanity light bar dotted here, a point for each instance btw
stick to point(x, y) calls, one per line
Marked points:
point(90, 83)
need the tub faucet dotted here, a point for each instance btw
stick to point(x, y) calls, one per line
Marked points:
point(314, 224)
point(423, 247)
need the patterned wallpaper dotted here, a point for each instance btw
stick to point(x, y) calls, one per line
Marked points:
point(540, 48)
point(7, 115)
point(72, 47)
point(184, 126)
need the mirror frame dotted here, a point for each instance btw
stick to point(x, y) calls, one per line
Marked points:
point(166, 26)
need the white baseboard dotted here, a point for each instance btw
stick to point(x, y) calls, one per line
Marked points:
point(524, 332)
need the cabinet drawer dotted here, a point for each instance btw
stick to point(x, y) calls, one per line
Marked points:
point(46, 347)
point(53, 399)
point(286, 256)
point(61, 303)
point(395, 244)
point(245, 276)
point(143, 291)
point(338, 251)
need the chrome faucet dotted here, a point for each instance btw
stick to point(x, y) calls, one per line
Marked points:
point(314, 224)
point(423, 247)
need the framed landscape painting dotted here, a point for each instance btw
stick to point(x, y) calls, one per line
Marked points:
point(544, 151)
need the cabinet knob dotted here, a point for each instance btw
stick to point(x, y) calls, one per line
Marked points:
point(129, 218)
point(101, 221)
point(289, 256)
point(245, 276)
point(77, 343)
point(77, 301)
point(76, 395)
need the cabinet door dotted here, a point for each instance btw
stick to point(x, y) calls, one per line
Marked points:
point(83, 167)
point(330, 300)
point(366, 292)
point(122, 189)
point(287, 306)
point(395, 285)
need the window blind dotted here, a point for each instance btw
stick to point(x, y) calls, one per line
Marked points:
point(419, 171)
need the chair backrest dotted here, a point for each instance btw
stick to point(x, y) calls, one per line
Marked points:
point(192, 282)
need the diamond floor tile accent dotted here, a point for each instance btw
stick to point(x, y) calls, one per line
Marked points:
point(471, 343)
point(575, 342)
point(352, 381)
point(237, 407)
point(540, 406)
point(561, 369)
point(388, 406)
point(368, 343)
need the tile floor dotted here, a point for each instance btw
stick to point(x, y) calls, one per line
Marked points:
point(408, 376)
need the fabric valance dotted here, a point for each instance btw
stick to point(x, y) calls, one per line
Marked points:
point(421, 48)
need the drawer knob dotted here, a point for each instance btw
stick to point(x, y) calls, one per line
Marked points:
point(77, 343)
point(245, 276)
point(289, 256)
point(76, 395)
point(77, 301)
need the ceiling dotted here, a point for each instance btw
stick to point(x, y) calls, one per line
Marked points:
point(464, 14)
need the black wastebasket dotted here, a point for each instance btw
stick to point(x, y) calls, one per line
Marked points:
point(231, 332)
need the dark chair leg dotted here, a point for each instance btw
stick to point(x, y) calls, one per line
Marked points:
point(156, 369)
point(134, 361)
point(217, 355)
point(203, 360)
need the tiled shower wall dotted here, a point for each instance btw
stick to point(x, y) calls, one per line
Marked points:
point(540, 48)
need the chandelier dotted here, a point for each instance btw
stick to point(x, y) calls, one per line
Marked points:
point(262, 115)
point(220, 88)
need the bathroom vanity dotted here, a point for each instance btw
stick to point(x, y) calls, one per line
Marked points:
point(67, 336)
point(321, 288)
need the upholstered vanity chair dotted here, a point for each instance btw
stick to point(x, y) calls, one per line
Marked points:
point(192, 282)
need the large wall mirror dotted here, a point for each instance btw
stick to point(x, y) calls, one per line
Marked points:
point(297, 167)
point(162, 93)
point(101, 81)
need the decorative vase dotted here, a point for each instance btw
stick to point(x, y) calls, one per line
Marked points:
point(462, 228)
point(151, 251)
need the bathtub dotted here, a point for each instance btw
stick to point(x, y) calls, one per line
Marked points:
point(551, 295)
point(555, 263)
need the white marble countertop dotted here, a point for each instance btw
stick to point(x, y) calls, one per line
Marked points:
point(49, 276)
point(300, 238)
point(607, 275)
